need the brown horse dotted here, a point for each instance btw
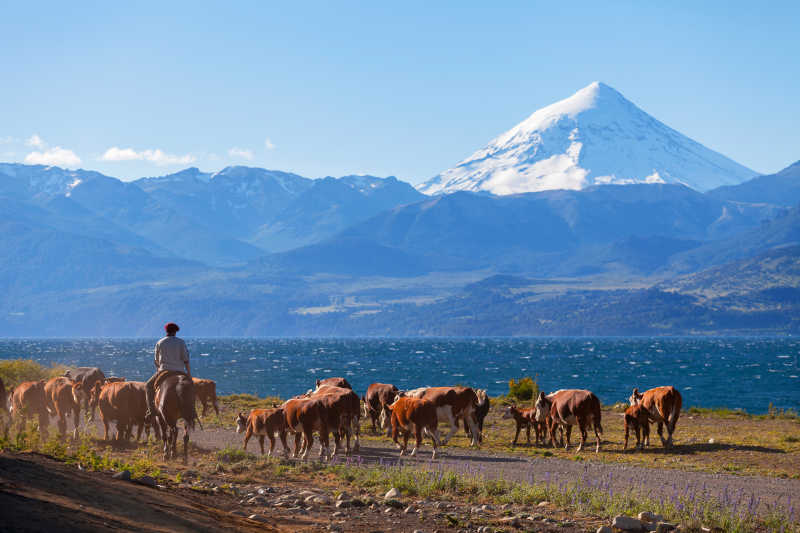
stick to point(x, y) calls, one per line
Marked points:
point(174, 401)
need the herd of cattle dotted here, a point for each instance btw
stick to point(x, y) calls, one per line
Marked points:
point(332, 408)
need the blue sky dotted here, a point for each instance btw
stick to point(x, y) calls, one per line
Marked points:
point(405, 89)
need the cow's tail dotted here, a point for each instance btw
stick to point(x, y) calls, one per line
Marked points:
point(597, 417)
point(675, 413)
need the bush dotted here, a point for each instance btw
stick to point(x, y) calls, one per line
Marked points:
point(523, 390)
point(15, 371)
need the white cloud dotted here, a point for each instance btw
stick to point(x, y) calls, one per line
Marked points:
point(36, 141)
point(268, 144)
point(242, 153)
point(54, 156)
point(157, 156)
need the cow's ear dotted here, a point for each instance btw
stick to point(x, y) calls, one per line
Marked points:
point(317, 383)
point(636, 391)
point(541, 395)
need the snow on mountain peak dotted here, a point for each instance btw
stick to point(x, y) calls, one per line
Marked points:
point(594, 137)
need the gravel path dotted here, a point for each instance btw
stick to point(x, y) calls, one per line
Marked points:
point(663, 484)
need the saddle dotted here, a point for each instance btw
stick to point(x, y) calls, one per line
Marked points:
point(164, 374)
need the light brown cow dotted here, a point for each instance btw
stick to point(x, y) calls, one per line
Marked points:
point(138, 412)
point(27, 400)
point(414, 415)
point(569, 408)
point(376, 401)
point(663, 404)
point(205, 390)
point(524, 418)
point(87, 377)
point(304, 416)
point(264, 422)
point(347, 407)
point(453, 403)
point(61, 403)
point(334, 382)
point(637, 418)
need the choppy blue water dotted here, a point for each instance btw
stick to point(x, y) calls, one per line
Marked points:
point(746, 373)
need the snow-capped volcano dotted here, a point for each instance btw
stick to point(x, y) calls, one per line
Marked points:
point(596, 136)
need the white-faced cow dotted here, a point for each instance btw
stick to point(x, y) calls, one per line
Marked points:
point(345, 405)
point(376, 402)
point(414, 415)
point(85, 378)
point(304, 416)
point(663, 404)
point(572, 407)
point(453, 403)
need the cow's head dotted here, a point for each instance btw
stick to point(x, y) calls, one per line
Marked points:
point(508, 412)
point(80, 392)
point(318, 382)
point(482, 397)
point(94, 395)
point(543, 405)
point(241, 422)
point(636, 396)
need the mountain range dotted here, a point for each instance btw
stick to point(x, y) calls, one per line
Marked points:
point(658, 236)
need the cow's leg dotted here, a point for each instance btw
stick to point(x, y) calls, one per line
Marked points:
point(62, 422)
point(516, 435)
point(469, 418)
point(418, 439)
point(528, 433)
point(627, 433)
point(582, 429)
point(569, 433)
point(356, 424)
point(204, 401)
point(434, 433)
point(76, 420)
point(216, 407)
point(551, 427)
point(271, 444)
point(661, 434)
point(406, 434)
point(44, 421)
point(308, 436)
point(645, 434)
point(396, 433)
point(447, 411)
point(261, 443)
point(297, 437)
point(282, 435)
point(105, 427)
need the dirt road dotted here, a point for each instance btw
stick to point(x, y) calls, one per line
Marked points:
point(658, 483)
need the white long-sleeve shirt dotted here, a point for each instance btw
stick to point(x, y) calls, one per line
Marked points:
point(171, 354)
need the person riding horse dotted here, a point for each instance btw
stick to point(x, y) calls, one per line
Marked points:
point(171, 357)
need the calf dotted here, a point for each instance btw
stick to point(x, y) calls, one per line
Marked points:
point(60, 402)
point(376, 401)
point(264, 423)
point(347, 408)
point(524, 418)
point(572, 407)
point(663, 404)
point(27, 400)
point(412, 414)
point(334, 382)
point(304, 416)
point(452, 403)
point(481, 410)
point(205, 390)
point(637, 418)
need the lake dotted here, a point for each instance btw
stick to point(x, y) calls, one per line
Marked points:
point(746, 373)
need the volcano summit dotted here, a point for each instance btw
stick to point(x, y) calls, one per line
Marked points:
point(594, 137)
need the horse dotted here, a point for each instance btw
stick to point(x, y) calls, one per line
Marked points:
point(174, 400)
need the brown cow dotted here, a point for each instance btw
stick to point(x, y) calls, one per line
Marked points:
point(637, 418)
point(115, 380)
point(118, 403)
point(524, 418)
point(205, 390)
point(334, 382)
point(304, 416)
point(138, 412)
point(264, 422)
point(417, 415)
point(572, 407)
point(61, 403)
point(29, 399)
point(347, 407)
point(453, 403)
point(376, 400)
point(663, 404)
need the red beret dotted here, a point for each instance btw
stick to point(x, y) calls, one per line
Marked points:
point(171, 326)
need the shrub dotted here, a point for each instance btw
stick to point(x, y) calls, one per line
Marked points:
point(15, 371)
point(523, 390)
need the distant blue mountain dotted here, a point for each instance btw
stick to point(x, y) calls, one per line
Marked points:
point(781, 188)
